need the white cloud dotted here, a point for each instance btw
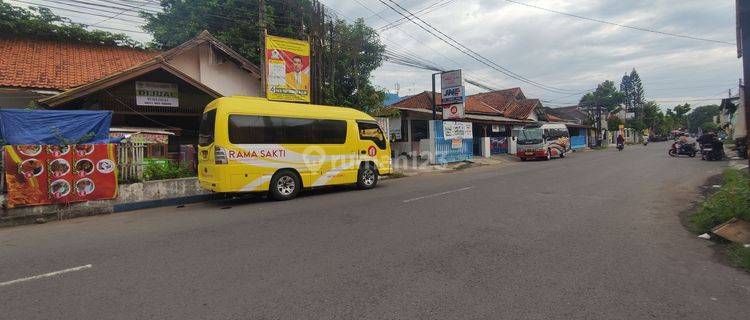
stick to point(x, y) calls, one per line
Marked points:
point(555, 49)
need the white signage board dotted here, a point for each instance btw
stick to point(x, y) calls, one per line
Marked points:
point(453, 95)
point(394, 127)
point(450, 79)
point(156, 94)
point(456, 130)
point(454, 112)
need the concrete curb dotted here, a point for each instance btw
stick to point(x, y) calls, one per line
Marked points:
point(124, 207)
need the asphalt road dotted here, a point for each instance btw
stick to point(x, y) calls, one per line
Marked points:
point(597, 235)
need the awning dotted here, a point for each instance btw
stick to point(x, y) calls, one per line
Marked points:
point(141, 135)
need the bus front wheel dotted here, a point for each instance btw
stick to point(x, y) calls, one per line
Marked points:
point(367, 177)
point(285, 185)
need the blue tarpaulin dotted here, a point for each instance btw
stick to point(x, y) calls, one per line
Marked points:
point(54, 127)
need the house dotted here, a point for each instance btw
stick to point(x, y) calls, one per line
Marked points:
point(149, 92)
point(579, 121)
point(727, 119)
point(493, 114)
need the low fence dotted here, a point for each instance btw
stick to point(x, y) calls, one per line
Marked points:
point(455, 150)
point(131, 196)
point(130, 161)
point(577, 142)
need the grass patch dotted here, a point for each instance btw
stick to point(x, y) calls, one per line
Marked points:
point(731, 201)
point(462, 166)
point(739, 255)
point(396, 175)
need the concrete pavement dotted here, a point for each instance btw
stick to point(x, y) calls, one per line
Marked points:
point(597, 235)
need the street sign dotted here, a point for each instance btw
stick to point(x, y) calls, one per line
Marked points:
point(453, 112)
point(450, 79)
point(453, 95)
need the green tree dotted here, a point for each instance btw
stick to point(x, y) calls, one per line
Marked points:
point(41, 23)
point(680, 115)
point(347, 53)
point(634, 98)
point(652, 116)
point(605, 94)
point(701, 116)
point(638, 94)
point(613, 123)
point(626, 88)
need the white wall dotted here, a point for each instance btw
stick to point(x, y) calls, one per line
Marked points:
point(188, 63)
point(226, 78)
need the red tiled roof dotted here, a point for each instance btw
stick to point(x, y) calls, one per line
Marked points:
point(501, 103)
point(61, 65)
point(521, 109)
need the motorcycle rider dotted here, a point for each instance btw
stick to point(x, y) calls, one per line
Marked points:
point(620, 140)
point(707, 138)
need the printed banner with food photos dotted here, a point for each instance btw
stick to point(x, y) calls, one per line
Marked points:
point(42, 174)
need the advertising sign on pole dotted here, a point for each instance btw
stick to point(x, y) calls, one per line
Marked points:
point(457, 130)
point(454, 112)
point(287, 69)
point(453, 95)
point(450, 79)
point(156, 94)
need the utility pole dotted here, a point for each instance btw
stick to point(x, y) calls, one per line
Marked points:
point(598, 121)
point(743, 43)
point(434, 97)
point(262, 25)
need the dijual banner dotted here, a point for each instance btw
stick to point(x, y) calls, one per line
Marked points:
point(287, 69)
point(45, 174)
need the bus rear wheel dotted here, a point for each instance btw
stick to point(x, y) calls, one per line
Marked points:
point(285, 185)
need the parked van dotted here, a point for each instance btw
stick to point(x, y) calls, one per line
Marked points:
point(249, 144)
point(543, 142)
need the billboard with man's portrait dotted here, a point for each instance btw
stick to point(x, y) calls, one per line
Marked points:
point(287, 69)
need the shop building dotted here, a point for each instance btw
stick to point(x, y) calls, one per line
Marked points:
point(154, 95)
point(494, 115)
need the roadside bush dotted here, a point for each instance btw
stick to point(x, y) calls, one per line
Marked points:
point(165, 170)
point(731, 201)
point(740, 256)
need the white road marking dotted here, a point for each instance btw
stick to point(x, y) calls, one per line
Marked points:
point(46, 275)
point(437, 194)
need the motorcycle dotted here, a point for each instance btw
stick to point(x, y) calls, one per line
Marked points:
point(684, 149)
point(712, 151)
point(620, 146)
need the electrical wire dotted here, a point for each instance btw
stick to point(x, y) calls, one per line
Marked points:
point(469, 52)
point(434, 6)
point(622, 25)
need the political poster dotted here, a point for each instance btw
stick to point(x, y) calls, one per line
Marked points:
point(45, 174)
point(287, 69)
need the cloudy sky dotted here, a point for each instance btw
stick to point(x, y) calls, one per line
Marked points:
point(549, 48)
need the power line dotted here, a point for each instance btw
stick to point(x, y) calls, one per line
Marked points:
point(469, 52)
point(425, 10)
point(428, 65)
point(76, 11)
point(622, 25)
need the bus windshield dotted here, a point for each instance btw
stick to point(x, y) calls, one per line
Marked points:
point(530, 136)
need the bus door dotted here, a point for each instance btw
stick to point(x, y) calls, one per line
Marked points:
point(373, 145)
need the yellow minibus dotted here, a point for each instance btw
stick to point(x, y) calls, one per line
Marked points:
point(249, 144)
